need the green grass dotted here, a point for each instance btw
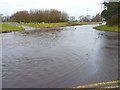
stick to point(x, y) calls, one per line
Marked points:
point(46, 25)
point(84, 23)
point(108, 28)
point(9, 28)
point(62, 24)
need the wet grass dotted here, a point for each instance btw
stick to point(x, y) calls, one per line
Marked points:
point(51, 25)
point(86, 23)
point(45, 25)
point(108, 28)
point(4, 28)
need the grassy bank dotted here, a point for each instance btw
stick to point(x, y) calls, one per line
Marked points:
point(9, 28)
point(50, 25)
point(108, 28)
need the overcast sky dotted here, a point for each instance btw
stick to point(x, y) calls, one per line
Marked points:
point(72, 7)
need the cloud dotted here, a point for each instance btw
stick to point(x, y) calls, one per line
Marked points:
point(73, 7)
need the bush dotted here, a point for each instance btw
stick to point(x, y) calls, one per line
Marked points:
point(114, 20)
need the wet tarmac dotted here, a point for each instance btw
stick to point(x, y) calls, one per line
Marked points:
point(76, 55)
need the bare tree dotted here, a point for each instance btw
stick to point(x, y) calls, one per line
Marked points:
point(72, 18)
point(21, 16)
point(96, 18)
point(36, 15)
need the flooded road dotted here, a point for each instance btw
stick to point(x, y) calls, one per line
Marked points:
point(76, 55)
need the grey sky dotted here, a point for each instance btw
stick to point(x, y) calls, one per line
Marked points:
point(72, 7)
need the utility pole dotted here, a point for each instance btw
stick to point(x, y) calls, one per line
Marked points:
point(86, 15)
point(87, 12)
point(101, 11)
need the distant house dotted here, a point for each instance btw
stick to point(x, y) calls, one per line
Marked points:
point(72, 18)
point(1, 16)
point(83, 18)
point(5, 18)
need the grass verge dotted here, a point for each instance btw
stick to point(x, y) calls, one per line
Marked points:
point(108, 28)
point(51, 25)
point(9, 28)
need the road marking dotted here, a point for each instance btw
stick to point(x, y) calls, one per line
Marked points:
point(99, 84)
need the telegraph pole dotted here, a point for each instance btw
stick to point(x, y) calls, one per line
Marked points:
point(101, 11)
point(87, 12)
point(86, 15)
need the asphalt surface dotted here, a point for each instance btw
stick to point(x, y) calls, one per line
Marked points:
point(74, 56)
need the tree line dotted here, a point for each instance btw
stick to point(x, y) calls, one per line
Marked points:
point(47, 16)
point(111, 13)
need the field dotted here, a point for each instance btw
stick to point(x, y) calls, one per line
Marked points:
point(108, 28)
point(9, 28)
point(50, 25)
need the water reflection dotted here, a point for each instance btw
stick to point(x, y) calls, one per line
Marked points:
point(57, 58)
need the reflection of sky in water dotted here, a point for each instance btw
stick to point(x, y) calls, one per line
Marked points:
point(62, 58)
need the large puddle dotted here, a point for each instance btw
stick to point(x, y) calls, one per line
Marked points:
point(73, 56)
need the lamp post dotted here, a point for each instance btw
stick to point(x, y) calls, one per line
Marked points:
point(101, 12)
point(86, 15)
point(87, 12)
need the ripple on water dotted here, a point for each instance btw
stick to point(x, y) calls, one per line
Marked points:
point(57, 58)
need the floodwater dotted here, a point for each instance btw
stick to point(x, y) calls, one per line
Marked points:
point(76, 55)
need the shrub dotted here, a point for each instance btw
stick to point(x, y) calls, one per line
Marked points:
point(114, 20)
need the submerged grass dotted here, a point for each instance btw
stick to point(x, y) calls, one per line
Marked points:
point(9, 28)
point(115, 28)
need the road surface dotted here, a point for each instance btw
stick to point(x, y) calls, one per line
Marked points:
point(76, 55)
